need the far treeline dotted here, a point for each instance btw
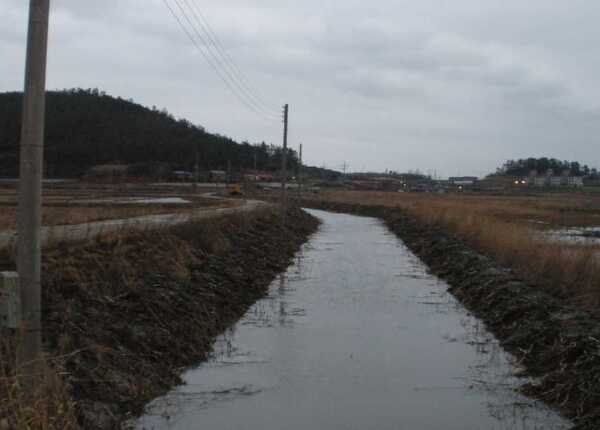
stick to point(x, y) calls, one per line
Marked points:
point(87, 128)
point(523, 167)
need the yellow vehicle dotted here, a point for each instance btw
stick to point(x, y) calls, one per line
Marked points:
point(235, 190)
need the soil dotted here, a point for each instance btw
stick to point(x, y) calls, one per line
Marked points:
point(556, 345)
point(130, 313)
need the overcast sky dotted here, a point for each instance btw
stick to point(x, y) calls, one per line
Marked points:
point(455, 87)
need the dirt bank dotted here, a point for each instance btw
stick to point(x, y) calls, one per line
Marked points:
point(129, 313)
point(553, 341)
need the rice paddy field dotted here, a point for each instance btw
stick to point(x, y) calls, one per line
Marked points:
point(66, 203)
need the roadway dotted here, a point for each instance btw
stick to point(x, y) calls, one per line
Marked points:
point(76, 232)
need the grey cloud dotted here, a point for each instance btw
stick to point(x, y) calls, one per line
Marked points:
point(454, 86)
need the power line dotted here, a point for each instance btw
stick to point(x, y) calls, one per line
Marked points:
point(212, 36)
point(219, 57)
point(209, 60)
point(207, 55)
point(218, 47)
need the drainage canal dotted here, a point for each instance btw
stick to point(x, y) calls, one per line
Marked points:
point(355, 335)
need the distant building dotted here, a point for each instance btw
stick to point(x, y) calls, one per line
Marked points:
point(217, 176)
point(265, 176)
point(495, 183)
point(463, 181)
point(575, 181)
point(422, 187)
point(550, 180)
point(107, 172)
point(183, 175)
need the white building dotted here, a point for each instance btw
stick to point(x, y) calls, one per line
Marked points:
point(556, 181)
point(575, 181)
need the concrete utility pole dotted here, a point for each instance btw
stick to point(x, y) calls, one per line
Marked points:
point(196, 170)
point(300, 172)
point(29, 218)
point(284, 163)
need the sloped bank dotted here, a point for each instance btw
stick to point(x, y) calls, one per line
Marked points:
point(553, 342)
point(129, 313)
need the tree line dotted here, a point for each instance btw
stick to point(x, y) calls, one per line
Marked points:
point(523, 167)
point(86, 128)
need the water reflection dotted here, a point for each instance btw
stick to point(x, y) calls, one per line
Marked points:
point(355, 335)
point(574, 235)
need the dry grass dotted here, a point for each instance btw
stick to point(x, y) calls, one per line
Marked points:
point(118, 311)
point(502, 227)
point(48, 406)
point(112, 265)
point(66, 215)
point(559, 209)
point(79, 203)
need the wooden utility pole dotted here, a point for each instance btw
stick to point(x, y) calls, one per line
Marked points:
point(29, 218)
point(284, 164)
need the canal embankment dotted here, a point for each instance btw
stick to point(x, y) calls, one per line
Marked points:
point(124, 314)
point(355, 334)
point(555, 342)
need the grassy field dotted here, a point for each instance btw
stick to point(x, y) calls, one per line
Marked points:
point(554, 210)
point(510, 229)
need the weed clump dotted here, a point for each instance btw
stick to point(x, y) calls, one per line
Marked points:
point(49, 405)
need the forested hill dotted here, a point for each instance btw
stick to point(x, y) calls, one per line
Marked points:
point(85, 128)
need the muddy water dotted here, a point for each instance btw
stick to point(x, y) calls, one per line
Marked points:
point(356, 335)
